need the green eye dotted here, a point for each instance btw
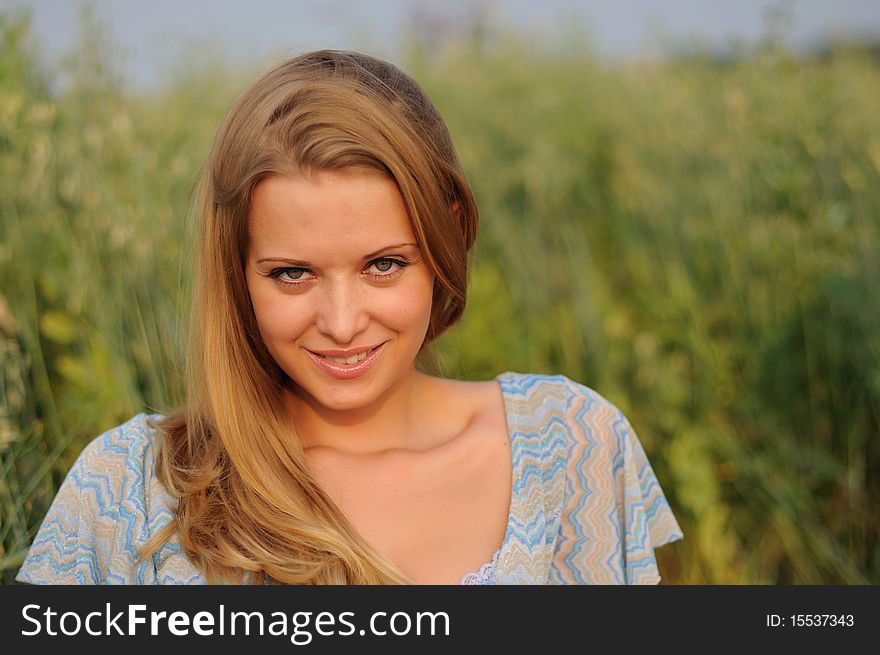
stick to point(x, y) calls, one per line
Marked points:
point(386, 268)
point(290, 276)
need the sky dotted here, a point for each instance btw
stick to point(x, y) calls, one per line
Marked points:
point(152, 36)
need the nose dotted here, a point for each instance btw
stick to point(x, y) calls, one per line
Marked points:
point(341, 313)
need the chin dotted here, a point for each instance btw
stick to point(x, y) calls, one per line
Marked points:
point(350, 403)
point(340, 395)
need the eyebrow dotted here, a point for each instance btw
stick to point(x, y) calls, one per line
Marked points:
point(300, 262)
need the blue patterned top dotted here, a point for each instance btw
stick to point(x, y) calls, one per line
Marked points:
point(585, 508)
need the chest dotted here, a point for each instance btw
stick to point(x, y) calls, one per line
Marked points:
point(437, 516)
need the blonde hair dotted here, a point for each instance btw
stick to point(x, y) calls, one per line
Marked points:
point(247, 508)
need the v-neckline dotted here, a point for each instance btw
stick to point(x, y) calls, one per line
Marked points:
point(498, 557)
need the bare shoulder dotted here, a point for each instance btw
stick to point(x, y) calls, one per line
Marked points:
point(477, 407)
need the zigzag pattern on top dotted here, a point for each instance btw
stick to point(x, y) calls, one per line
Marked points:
point(585, 505)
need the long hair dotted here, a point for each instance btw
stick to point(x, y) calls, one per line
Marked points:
point(247, 509)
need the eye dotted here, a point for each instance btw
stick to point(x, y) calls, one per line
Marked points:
point(290, 276)
point(387, 267)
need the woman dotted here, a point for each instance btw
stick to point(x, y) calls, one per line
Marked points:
point(335, 226)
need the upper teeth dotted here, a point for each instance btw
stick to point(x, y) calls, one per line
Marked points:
point(354, 359)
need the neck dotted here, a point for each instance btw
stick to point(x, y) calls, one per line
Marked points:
point(391, 422)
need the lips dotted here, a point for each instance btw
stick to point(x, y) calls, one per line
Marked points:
point(346, 371)
point(344, 358)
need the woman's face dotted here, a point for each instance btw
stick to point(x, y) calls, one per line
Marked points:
point(334, 273)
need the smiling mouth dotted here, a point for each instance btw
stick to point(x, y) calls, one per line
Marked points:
point(354, 359)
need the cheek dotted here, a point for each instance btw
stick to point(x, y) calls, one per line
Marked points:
point(278, 316)
point(410, 308)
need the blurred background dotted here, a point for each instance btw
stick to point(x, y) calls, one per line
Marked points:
point(680, 208)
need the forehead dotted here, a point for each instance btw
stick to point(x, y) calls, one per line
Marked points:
point(330, 214)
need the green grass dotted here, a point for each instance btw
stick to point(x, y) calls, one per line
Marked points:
point(695, 239)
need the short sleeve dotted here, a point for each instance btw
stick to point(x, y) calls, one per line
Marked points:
point(646, 518)
point(96, 522)
point(615, 513)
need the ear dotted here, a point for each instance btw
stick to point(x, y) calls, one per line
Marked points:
point(456, 209)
